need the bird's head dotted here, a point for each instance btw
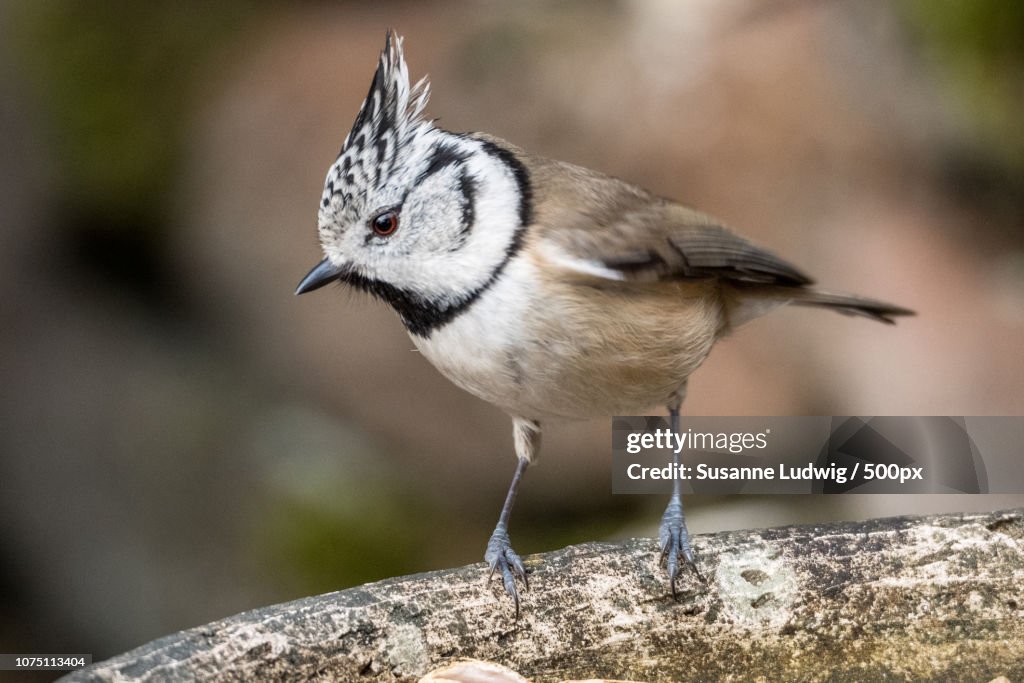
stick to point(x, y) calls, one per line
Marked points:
point(418, 216)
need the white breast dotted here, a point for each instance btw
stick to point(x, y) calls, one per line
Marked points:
point(542, 347)
point(480, 349)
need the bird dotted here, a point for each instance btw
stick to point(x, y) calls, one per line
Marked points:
point(551, 291)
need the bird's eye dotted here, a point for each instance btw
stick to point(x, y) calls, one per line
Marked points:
point(385, 223)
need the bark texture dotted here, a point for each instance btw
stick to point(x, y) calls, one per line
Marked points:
point(905, 598)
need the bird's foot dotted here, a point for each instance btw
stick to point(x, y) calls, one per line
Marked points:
point(675, 543)
point(501, 557)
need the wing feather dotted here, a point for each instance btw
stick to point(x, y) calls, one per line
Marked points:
point(617, 231)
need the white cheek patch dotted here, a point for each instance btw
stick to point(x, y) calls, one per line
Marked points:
point(440, 262)
point(433, 214)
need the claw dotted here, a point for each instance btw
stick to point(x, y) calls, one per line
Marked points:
point(501, 557)
point(675, 544)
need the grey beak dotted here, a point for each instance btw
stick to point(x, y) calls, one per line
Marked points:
point(324, 273)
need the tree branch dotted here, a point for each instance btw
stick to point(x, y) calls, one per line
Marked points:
point(902, 598)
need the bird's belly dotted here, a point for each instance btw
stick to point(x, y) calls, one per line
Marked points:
point(624, 348)
point(570, 351)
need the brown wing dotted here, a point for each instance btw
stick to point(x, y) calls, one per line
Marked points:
point(700, 251)
point(605, 225)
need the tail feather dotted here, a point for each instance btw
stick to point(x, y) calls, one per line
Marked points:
point(849, 304)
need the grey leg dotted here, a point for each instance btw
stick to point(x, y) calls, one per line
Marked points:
point(499, 555)
point(672, 534)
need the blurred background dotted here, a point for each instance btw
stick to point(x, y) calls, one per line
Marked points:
point(182, 439)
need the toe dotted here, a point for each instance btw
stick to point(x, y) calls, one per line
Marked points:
point(510, 586)
point(516, 563)
point(500, 557)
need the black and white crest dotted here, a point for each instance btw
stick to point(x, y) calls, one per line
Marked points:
point(388, 123)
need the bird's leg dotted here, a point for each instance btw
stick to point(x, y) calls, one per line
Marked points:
point(672, 534)
point(499, 555)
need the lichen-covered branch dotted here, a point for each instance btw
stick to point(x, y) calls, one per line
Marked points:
point(907, 598)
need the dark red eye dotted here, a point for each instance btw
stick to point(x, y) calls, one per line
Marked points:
point(385, 223)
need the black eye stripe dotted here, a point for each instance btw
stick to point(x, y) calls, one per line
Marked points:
point(468, 187)
point(444, 156)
